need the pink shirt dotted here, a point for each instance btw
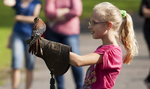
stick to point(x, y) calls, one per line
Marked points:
point(72, 23)
point(103, 75)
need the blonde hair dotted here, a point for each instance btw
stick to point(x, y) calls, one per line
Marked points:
point(123, 25)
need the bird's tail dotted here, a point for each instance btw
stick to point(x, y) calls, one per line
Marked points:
point(32, 41)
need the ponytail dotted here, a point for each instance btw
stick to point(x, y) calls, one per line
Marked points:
point(127, 38)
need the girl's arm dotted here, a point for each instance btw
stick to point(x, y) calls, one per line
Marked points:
point(29, 19)
point(9, 3)
point(61, 14)
point(92, 58)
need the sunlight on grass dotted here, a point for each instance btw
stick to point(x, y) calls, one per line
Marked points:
point(5, 53)
point(128, 5)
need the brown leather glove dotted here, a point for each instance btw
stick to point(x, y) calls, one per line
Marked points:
point(55, 55)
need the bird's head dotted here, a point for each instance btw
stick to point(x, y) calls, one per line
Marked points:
point(36, 19)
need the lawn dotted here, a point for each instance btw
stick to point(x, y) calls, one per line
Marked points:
point(7, 16)
point(4, 53)
point(129, 5)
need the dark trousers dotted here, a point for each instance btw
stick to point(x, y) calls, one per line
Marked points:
point(147, 39)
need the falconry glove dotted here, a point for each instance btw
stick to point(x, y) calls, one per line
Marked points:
point(55, 55)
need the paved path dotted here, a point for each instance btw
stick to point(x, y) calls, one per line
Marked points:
point(131, 76)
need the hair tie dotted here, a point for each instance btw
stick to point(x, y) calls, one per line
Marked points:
point(123, 13)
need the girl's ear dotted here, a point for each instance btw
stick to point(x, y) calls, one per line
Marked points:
point(109, 25)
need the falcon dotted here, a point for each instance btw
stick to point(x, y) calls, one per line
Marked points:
point(38, 29)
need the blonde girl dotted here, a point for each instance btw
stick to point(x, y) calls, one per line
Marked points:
point(113, 26)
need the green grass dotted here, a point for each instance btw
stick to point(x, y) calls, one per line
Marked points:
point(4, 51)
point(5, 54)
point(6, 16)
point(129, 5)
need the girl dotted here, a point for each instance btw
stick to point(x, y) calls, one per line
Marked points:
point(112, 26)
point(26, 11)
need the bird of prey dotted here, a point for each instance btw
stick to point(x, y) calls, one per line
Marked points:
point(38, 29)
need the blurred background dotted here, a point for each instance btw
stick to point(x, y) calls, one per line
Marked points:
point(131, 6)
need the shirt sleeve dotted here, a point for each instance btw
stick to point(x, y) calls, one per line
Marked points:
point(112, 57)
point(75, 10)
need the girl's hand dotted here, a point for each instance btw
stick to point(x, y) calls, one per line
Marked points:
point(61, 13)
point(9, 2)
point(60, 16)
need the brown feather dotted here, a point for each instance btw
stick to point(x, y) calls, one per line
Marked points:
point(38, 29)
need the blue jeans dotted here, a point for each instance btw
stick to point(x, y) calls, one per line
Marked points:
point(20, 52)
point(73, 41)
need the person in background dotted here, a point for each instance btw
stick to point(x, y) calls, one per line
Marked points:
point(26, 11)
point(63, 25)
point(145, 12)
